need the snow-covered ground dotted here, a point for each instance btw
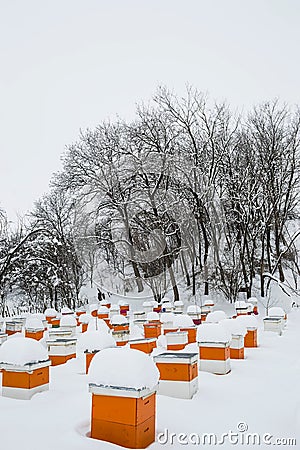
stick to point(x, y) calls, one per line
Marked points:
point(262, 394)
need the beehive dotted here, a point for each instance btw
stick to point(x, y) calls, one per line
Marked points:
point(178, 374)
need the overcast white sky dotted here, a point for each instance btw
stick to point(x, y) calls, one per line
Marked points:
point(69, 64)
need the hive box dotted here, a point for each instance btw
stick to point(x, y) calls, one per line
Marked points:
point(192, 334)
point(237, 347)
point(14, 326)
point(275, 324)
point(61, 350)
point(214, 357)
point(59, 333)
point(152, 330)
point(23, 382)
point(178, 374)
point(34, 333)
point(125, 417)
point(250, 339)
point(144, 345)
point(177, 340)
point(121, 337)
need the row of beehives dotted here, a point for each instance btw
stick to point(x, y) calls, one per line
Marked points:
point(178, 375)
point(62, 330)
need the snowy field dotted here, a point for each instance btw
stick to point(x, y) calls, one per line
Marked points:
point(261, 395)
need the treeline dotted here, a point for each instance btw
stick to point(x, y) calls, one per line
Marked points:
point(188, 195)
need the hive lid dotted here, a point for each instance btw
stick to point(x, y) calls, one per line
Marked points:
point(121, 391)
point(177, 357)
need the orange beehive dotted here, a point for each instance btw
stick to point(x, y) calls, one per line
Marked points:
point(169, 329)
point(14, 326)
point(55, 322)
point(61, 350)
point(121, 337)
point(176, 340)
point(34, 334)
point(192, 334)
point(178, 374)
point(120, 327)
point(24, 382)
point(237, 347)
point(152, 330)
point(125, 417)
point(251, 338)
point(144, 345)
point(214, 357)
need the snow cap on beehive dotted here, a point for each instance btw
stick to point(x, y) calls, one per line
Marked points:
point(152, 316)
point(85, 318)
point(252, 300)
point(215, 316)
point(248, 321)
point(118, 319)
point(167, 317)
point(22, 351)
point(235, 327)
point(213, 332)
point(66, 310)
point(276, 311)
point(183, 321)
point(97, 324)
point(50, 312)
point(241, 304)
point(123, 367)
point(34, 323)
point(194, 309)
point(95, 341)
point(68, 321)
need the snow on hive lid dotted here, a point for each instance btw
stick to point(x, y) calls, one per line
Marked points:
point(212, 332)
point(34, 323)
point(123, 303)
point(248, 321)
point(103, 302)
point(178, 303)
point(66, 310)
point(85, 318)
point(215, 316)
point(167, 317)
point(123, 367)
point(68, 321)
point(103, 310)
point(194, 309)
point(183, 321)
point(235, 327)
point(118, 319)
point(97, 324)
point(95, 340)
point(50, 312)
point(209, 303)
point(22, 351)
point(152, 316)
point(166, 300)
point(252, 300)
point(93, 307)
point(40, 316)
point(147, 303)
point(241, 304)
point(276, 311)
